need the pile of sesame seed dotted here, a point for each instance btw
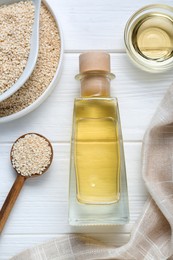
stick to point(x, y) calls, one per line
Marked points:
point(47, 63)
point(31, 155)
point(16, 22)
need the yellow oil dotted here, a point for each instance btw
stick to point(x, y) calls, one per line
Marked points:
point(96, 151)
point(152, 36)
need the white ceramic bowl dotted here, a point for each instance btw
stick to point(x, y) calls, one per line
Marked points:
point(52, 85)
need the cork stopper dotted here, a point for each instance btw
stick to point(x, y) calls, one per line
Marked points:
point(99, 61)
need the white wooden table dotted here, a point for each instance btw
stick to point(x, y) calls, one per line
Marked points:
point(41, 210)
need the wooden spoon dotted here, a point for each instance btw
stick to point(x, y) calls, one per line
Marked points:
point(17, 186)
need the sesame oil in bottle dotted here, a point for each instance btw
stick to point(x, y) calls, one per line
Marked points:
point(97, 153)
point(98, 188)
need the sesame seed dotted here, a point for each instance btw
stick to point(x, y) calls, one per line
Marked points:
point(16, 22)
point(31, 155)
point(47, 63)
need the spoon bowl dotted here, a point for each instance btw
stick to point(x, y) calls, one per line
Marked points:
point(35, 174)
point(34, 47)
point(18, 184)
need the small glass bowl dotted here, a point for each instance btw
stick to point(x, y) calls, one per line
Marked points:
point(148, 38)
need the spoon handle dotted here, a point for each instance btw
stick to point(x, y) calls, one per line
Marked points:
point(10, 200)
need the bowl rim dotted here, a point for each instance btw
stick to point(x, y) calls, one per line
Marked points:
point(52, 84)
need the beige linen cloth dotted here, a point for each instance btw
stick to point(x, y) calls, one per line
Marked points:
point(151, 237)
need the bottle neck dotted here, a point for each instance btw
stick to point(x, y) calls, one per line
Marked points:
point(95, 84)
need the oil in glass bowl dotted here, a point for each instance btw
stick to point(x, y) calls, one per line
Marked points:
point(149, 38)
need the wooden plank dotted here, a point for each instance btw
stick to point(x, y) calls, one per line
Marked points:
point(139, 94)
point(42, 206)
point(96, 24)
point(41, 211)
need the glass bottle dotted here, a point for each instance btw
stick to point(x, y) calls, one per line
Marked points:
point(98, 186)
